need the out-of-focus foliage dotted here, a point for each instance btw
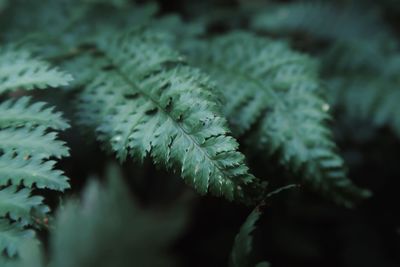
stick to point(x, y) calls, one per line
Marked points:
point(87, 232)
point(243, 242)
point(100, 216)
point(360, 64)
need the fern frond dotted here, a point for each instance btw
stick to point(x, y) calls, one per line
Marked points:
point(100, 216)
point(36, 141)
point(30, 254)
point(31, 172)
point(243, 244)
point(370, 100)
point(149, 103)
point(16, 113)
point(19, 205)
point(47, 18)
point(26, 146)
point(83, 74)
point(363, 82)
point(18, 70)
point(39, 25)
point(322, 19)
point(275, 92)
point(12, 237)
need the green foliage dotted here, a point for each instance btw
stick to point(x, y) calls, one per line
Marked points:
point(148, 102)
point(275, 92)
point(322, 19)
point(101, 215)
point(362, 63)
point(18, 204)
point(242, 246)
point(19, 113)
point(12, 236)
point(30, 253)
point(378, 92)
point(3, 4)
point(367, 72)
point(140, 98)
point(26, 147)
point(117, 3)
point(19, 71)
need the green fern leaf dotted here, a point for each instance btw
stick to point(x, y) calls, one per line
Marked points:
point(19, 205)
point(32, 142)
point(26, 147)
point(18, 70)
point(274, 93)
point(12, 237)
point(22, 161)
point(30, 254)
point(149, 102)
point(325, 20)
point(363, 83)
point(243, 244)
point(100, 216)
point(372, 100)
point(31, 172)
point(21, 113)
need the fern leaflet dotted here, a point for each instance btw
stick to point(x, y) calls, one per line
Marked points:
point(18, 204)
point(19, 71)
point(20, 113)
point(12, 236)
point(242, 246)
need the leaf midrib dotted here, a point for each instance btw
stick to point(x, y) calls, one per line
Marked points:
point(155, 102)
